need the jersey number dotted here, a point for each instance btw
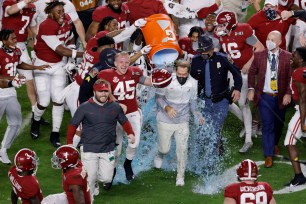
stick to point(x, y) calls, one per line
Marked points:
point(11, 68)
point(259, 198)
point(27, 21)
point(232, 50)
point(122, 88)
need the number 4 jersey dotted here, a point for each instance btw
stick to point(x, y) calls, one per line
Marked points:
point(259, 192)
point(19, 21)
point(236, 44)
point(124, 86)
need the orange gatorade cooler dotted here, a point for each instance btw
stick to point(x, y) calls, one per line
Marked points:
point(159, 32)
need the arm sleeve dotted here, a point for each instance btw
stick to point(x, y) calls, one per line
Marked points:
point(86, 88)
point(252, 40)
point(70, 133)
point(194, 97)
point(160, 98)
point(70, 10)
point(52, 41)
point(125, 35)
point(128, 128)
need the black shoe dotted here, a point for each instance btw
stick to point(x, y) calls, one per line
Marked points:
point(44, 122)
point(128, 170)
point(296, 181)
point(35, 129)
point(54, 139)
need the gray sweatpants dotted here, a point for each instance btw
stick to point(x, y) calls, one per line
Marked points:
point(12, 109)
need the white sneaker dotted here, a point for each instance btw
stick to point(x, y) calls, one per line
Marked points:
point(158, 161)
point(180, 182)
point(96, 191)
point(242, 133)
point(246, 147)
point(3, 157)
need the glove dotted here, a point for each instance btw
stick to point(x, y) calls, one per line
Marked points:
point(187, 57)
point(146, 49)
point(17, 82)
point(140, 23)
point(70, 65)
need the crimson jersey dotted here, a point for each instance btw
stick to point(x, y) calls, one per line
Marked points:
point(259, 192)
point(297, 76)
point(186, 45)
point(25, 187)
point(235, 44)
point(124, 86)
point(76, 176)
point(50, 27)
point(263, 27)
point(9, 62)
point(103, 11)
point(20, 21)
point(90, 57)
point(285, 5)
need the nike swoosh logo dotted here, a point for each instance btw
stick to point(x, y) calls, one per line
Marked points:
point(35, 135)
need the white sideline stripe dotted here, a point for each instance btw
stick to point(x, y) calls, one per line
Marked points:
point(25, 122)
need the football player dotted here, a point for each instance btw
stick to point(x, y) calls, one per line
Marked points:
point(18, 16)
point(10, 60)
point(124, 79)
point(248, 190)
point(114, 8)
point(22, 177)
point(297, 124)
point(239, 42)
point(74, 177)
point(54, 33)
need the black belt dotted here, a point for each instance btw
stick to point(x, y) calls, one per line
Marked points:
point(271, 94)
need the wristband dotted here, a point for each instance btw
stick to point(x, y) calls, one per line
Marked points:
point(74, 54)
point(71, 46)
point(292, 12)
point(9, 84)
point(20, 5)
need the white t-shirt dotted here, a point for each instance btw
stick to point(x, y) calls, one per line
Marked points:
point(41, 15)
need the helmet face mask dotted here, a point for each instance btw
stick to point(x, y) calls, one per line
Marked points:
point(225, 22)
point(26, 160)
point(64, 157)
point(247, 170)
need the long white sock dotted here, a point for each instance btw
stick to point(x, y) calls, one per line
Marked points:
point(57, 117)
point(38, 113)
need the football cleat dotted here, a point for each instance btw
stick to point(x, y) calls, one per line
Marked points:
point(54, 139)
point(35, 129)
point(4, 157)
point(246, 147)
point(296, 181)
point(180, 182)
point(128, 170)
point(97, 189)
point(158, 161)
point(44, 122)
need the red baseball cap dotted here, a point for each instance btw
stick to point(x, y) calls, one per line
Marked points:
point(102, 86)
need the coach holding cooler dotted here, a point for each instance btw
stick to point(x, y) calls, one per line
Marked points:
point(210, 69)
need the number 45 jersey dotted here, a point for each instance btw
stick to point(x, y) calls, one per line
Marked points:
point(19, 21)
point(124, 86)
point(259, 192)
point(236, 44)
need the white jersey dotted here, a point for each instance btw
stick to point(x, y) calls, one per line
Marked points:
point(41, 5)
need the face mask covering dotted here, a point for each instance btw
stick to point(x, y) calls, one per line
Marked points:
point(270, 45)
point(270, 14)
point(181, 80)
point(205, 56)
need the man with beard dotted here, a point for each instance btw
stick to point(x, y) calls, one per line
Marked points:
point(114, 8)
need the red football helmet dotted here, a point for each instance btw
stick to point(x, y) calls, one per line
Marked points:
point(225, 22)
point(161, 78)
point(247, 170)
point(64, 157)
point(26, 160)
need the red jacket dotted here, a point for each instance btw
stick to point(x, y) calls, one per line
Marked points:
point(257, 72)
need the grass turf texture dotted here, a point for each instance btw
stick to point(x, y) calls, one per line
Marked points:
point(153, 186)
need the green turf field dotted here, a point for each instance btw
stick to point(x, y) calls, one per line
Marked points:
point(152, 186)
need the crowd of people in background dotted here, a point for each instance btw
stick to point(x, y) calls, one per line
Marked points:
point(92, 57)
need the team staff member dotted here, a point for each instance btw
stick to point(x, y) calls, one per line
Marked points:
point(99, 117)
point(211, 69)
point(248, 190)
point(124, 80)
point(53, 37)
point(297, 124)
point(74, 177)
point(22, 177)
point(175, 102)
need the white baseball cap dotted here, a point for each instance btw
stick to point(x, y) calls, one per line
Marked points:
point(272, 2)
